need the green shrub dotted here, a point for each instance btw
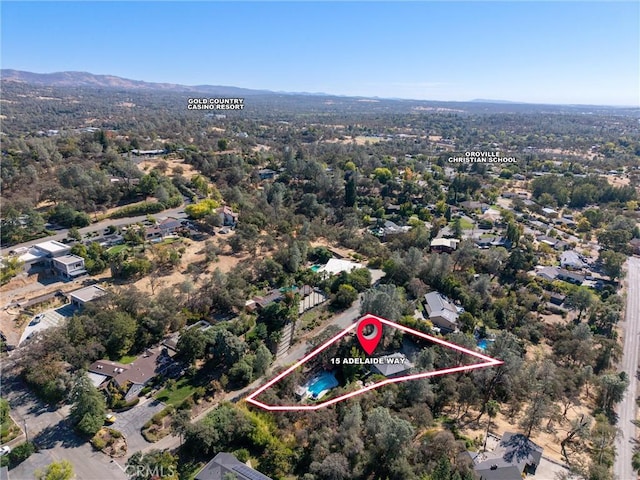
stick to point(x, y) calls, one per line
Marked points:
point(145, 391)
point(123, 406)
point(98, 442)
point(142, 208)
point(242, 455)
point(186, 404)
point(20, 453)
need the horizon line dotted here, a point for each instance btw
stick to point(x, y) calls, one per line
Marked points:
point(318, 94)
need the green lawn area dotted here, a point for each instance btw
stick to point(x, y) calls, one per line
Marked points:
point(8, 428)
point(464, 223)
point(127, 359)
point(181, 390)
point(168, 241)
point(117, 249)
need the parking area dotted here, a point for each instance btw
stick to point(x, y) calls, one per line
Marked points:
point(50, 318)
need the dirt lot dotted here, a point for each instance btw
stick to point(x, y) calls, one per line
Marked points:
point(549, 440)
point(187, 170)
point(194, 254)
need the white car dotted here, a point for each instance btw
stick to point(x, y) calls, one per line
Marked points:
point(5, 450)
point(37, 318)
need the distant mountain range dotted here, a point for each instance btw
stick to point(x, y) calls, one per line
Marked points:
point(85, 79)
point(89, 80)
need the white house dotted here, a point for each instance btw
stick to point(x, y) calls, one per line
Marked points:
point(69, 266)
point(572, 260)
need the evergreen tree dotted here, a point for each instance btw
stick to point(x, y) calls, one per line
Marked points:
point(88, 410)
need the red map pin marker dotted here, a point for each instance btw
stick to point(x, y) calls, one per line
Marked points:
point(369, 337)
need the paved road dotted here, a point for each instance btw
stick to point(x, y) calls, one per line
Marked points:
point(55, 438)
point(99, 227)
point(627, 408)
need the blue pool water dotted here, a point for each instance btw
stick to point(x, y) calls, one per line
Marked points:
point(324, 381)
point(483, 343)
point(315, 268)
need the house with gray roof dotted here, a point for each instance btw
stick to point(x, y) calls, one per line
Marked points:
point(225, 465)
point(572, 260)
point(514, 457)
point(85, 295)
point(441, 311)
point(392, 365)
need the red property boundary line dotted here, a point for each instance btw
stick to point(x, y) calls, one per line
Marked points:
point(488, 362)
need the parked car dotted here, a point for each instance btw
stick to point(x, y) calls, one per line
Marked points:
point(5, 450)
point(110, 418)
point(37, 318)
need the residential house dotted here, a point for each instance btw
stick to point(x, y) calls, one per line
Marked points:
point(171, 342)
point(487, 242)
point(101, 371)
point(224, 466)
point(556, 298)
point(336, 266)
point(441, 311)
point(392, 365)
point(391, 229)
point(274, 296)
point(277, 295)
point(572, 260)
point(169, 226)
point(492, 215)
point(148, 153)
point(69, 266)
point(571, 277)
point(548, 273)
point(85, 295)
point(42, 254)
point(134, 376)
point(152, 232)
point(392, 209)
point(228, 217)
point(550, 212)
point(444, 245)
point(515, 457)
point(472, 206)
point(550, 241)
point(266, 174)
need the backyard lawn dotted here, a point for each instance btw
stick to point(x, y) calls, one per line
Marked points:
point(178, 393)
point(117, 249)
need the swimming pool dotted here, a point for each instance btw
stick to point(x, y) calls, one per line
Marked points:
point(321, 384)
point(315, 268)
point(483, 343)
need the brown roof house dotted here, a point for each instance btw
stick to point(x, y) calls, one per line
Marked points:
point(130, 377)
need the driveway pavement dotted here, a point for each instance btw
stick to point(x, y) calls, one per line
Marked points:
point(52, 318)
point(131, 421)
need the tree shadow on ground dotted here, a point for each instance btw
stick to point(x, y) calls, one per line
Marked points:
point(59, 434)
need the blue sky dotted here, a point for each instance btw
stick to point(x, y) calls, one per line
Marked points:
point(542, 52)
